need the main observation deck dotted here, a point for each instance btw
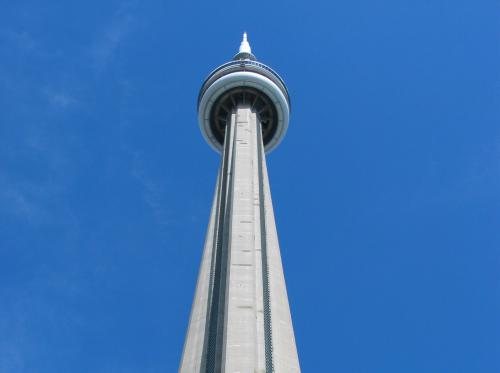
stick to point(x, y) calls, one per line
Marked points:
point(244, 80)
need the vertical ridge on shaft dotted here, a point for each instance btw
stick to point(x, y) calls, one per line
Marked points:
point(215, 318)
point(268, 337)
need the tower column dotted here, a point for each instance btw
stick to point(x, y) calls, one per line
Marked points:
point(241, 302)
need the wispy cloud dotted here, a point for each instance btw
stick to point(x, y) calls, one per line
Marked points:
point(155, 195)
point(14, 342)
point(15, 202)
point(109, 40)
point(35, 198)
point(36, 202)
point(20, 42)
point(18, 39)
point(59, 99)
point(28, 308)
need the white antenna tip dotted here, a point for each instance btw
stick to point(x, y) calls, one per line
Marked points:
point(245, 46)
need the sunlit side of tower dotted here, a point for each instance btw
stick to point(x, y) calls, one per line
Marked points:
point(240, 319)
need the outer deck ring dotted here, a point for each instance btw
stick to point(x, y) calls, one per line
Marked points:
point(214, 88)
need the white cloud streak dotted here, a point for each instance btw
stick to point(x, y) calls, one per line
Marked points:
point(105, 47)
point(154, 194)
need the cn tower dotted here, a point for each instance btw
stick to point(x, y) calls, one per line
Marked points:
point(240, 318)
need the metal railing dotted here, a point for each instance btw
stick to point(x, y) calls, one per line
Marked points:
point(243, 65)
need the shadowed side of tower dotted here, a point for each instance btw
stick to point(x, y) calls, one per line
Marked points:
point(240, 319)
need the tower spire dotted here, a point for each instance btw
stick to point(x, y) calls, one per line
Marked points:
point(245, 46)
point(245, 52)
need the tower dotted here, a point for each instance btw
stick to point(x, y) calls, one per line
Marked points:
point(240, 319)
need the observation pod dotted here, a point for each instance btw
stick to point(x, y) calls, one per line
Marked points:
point(243, 80)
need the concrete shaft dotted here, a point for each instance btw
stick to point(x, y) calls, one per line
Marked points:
point(240, 319)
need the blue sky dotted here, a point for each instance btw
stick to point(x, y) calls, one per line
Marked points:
point(386, 188)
